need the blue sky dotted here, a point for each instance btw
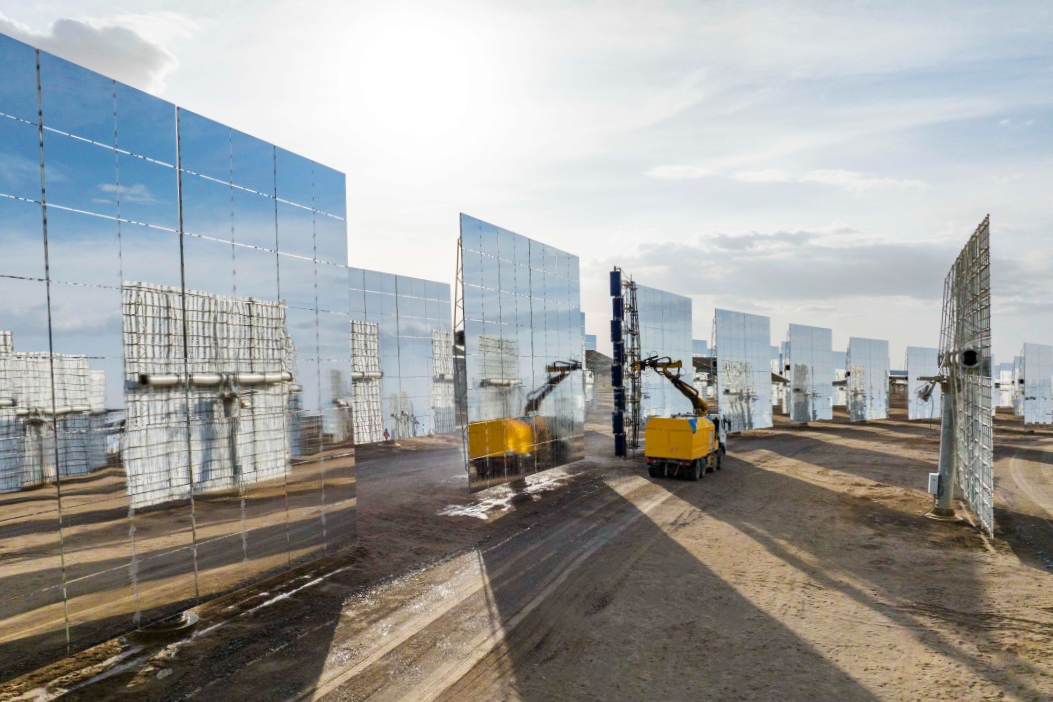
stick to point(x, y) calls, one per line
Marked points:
point(820, 163)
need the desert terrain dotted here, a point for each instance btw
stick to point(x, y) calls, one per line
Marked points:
point(803, 570)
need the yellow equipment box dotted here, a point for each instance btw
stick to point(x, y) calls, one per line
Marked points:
point(679, 438)
point(500, 437)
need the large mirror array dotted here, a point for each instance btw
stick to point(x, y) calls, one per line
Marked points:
point(1036, 390)
point(922, 363)
point(175, 371)
point(523, 354)
point(744, 382)
point(868, 373)
point(402, 356)
point(665, 331)
point(811, 374)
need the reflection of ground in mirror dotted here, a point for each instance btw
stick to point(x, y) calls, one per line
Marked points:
point(803, 570)
point(497, 500)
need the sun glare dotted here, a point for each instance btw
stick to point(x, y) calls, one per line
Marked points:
point(417, 80)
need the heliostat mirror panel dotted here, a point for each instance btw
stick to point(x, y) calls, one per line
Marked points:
point(744, 384)
point(166, 434)
point(665, 331)
point(402, 356)
point(811, 373)
point(523, 365)
point(1037, 388)
point(868, 370)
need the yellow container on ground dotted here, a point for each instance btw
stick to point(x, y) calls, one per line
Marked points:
point(499, 437)
point(679, 438)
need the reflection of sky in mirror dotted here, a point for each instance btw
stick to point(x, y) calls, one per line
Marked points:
point(408, 312)
point(109, 306)
point(665, 330)
point(522, 314)
point(744, 354)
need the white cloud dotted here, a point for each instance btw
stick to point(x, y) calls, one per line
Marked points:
point(852, 181)
point(829, 264)
point(1004, 122)
point(119, 48)
point(677, 172)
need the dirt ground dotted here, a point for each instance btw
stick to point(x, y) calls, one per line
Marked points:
point(802, 570)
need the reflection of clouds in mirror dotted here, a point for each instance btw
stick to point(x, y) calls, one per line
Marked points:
point(137, 193)
point(106, 409)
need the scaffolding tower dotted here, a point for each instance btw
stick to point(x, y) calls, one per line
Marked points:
point(625, 369)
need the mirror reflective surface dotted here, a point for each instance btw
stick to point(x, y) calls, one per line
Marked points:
point(924, 363)
point(402, 356)
point(170, 427)
point(868, 366)
point(743, 347)
point(665, 330)
point(1036, 370)
point(523, 355)
point(811, 374)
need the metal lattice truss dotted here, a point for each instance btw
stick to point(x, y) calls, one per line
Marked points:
point(966, 329)
point(215, 421)
point(41, 436)
point(366, 375)
point(442, 381)
point(500, 390)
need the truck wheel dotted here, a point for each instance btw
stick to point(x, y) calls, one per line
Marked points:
point(651, 471)
point(697, 470)
point(720, 456)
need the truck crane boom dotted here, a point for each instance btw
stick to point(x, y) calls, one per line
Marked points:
point(686, 446)
point(557, 373)
point(664, 365)
point(507, 446)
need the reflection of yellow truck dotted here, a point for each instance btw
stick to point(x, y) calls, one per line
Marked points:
point(507, 446)
point(499, 444)
point(681, 446)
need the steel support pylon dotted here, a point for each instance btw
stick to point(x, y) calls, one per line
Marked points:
point(944, 507)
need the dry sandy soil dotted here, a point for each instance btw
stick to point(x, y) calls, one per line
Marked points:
point(803, 570)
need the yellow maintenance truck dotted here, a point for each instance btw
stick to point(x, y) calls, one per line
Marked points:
point(687, 446)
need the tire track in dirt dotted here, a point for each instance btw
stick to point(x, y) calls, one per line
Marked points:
point(468, 649)
point(467, 589)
